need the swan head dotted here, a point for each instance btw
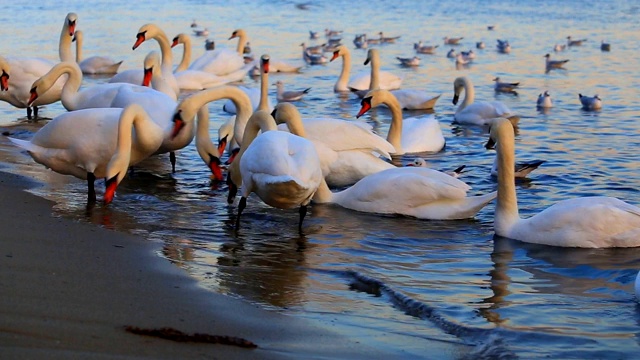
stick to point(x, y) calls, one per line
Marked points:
point(70, 22)
point(458, 85)
point(151, 66)
point(145, 32)
point(499, 125)
point(264, 63)
point(179, 39)
point(340, 51)
point(178, 123)
point(237, 33)
point(370, 55)
point(4, 80)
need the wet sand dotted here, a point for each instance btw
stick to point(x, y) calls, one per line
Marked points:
point(69, 289)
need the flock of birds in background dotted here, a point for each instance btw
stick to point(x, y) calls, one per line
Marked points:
point(307, 157)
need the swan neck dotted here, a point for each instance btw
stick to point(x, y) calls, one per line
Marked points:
point(242, 42)
point(79, 44)
point(394, 137)
point(507, 204)
point(323, 195)
point(264, 91)
point(375, 72)
point(295, 124)
point(341, 84)
point(204, 145)
point(469, 96)
point(69, 96)
point(64, 47)
point(186, 55)
point(165, 50)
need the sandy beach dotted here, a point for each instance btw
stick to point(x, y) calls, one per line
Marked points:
point(68, 290)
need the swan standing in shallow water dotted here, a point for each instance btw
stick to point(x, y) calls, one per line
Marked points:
point(411, 135)
point(288, 177)
point(589, 222)
point(95, 143)
point(25, 70)
point(362, 80)
point(95, 64)
point(348, 150)
point(476, 113)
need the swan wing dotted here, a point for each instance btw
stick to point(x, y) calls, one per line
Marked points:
point(420, 134)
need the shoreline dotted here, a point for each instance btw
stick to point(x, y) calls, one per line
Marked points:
point(69, 289)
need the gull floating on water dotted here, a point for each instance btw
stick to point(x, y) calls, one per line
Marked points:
point(491, 27)
point(554, 64)
point(504, 86)
point(201, 32)
point(480, 45)
point(424, 49)
point(384, 39)
point(414, 61)
point(503, 46)
point(209, 45)
point(468, 55)
point(289, 95)
point(451, 54)
point(313, 34)
point(590, 103)
point(559, 47)
point(420, 162)
point(194, 24)
point(452, 41)
point(605, 46)
point(544, 100)
point(360, 41)
point(575, 42)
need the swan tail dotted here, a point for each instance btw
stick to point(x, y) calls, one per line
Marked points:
point(431, 103)
point(26, 145)
point(476, 203)
point(114, 68)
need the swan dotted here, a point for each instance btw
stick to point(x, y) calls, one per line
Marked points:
point(222, 61)
point(293, 95)
point(544, 100)
point(348, 150)
point(476, 113)
point(588, 222)
point(419, 192)
point(186, 110)
point(259, 97)
point(362, 80)
point(4, 77)
point(411, 135)
point(288, 177)
point(25, 70)
point(590, 103)
point(95, 64)
point(196, 79)
point(134, 76)
point(83, 144)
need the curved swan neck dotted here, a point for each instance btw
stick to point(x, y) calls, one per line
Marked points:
point(375, 69)
point(469, 95)
point(242, 42)
point(261, 120)
point(289, 114)
point(323, 195)
point(394, 137)
point(69, 95)
point(507, 204)
point(204, 145)
point(341, 84)
point(165, 50)
point(186, 53)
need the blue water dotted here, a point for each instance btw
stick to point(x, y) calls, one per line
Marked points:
point(424, 289)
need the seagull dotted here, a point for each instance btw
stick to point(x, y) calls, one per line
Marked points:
point(554, 64)
point(605, 46)
point(209, 45)
point(575, 42)
point(505, 86)
point(313, 34)
point(469, 55)
point(480, 45)
point(360, 41)
point(559, 47)
point(503, 46)
point(202, 32)
point(424, 49)
point(194, 24)
point(420, 162)
point(451, 54)
point(590, 103)
point(544, 100)
point(491, 27)
point(452, 41)
point(289, 95)
point(414, 61)
point(387, 39)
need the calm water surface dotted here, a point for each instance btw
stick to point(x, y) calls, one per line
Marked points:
point(392, 282)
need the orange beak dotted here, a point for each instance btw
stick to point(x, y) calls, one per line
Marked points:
point(4, 81)
point(366, 106)
point(232, 157)
point(146, 80)
point(110, 191)
point(140, 38)
point(214, 166)
point(175, 42)
point(178, 124)
point(72, 27)
point(222, 144)
point(32, 97)
point(335, 55)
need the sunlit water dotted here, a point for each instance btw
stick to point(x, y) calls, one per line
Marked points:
point(389, 281)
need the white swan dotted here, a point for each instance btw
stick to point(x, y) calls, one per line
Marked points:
point(196, 79)
point(222, 61)
point(259, 97)
point(95, 64)
point(186, 110)
point(376, 81)
point(412, 191)
point(544, 100)
point(362, 80)
point(408, 98)
point(590, 222)
point(82, 143)
point(134, 76)
point(288, 177)
point(348, 150)
point(411, 135)
point(5, 68)
point(476, 113)
point(25, 70)
point(590, 103)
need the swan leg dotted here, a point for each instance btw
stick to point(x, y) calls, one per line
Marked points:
point(28, 113)
point(91, 191)
point(241, 206)
point(35, 113)
point(233, 190)
point(172, 159)
point(303, 213)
